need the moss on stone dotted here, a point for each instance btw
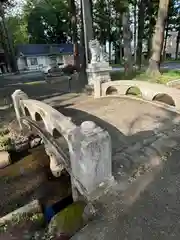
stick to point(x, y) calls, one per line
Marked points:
point(4, 131)
point(69, 220)
point(18, 219)
point(5, 143)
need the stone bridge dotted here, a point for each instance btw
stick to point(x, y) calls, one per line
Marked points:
point(88, 155)
point(99, 140)
point(148, 91)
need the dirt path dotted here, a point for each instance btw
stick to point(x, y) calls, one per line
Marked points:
point(154, 215)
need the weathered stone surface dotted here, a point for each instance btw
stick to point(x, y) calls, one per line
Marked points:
point(124, 119)
point(35, 142)
point(99, 69)
point(149, 91)
point(5, 159)
point(31, 208)
point(89, 161)
point(91, 164)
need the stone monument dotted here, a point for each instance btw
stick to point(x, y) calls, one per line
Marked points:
point(98, 69)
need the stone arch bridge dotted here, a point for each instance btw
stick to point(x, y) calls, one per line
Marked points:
point(105, 141)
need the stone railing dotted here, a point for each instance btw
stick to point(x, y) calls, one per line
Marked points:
point(148, 91)
point(89, 146)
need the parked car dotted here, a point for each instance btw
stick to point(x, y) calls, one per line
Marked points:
point(46, 69)
point(62, 73)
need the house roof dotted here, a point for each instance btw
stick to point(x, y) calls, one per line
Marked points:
point(43, 49)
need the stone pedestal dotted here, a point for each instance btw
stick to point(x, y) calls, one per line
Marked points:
point(98, 71)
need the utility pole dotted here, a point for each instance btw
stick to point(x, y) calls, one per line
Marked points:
point(88, 26)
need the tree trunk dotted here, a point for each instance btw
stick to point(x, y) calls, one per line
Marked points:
point(165, 42)
point(140, 32)
point(135, 29)
point(128, 66)
point(74, 32)
point(5, 48)
point(177, 44)
point(150, 13)
point(109, 27)
point(158, 37)
point(8, 40)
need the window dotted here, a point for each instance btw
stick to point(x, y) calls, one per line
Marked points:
point(33, 61)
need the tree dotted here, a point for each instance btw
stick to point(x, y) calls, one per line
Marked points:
point(101, 21)
point(72, 7)
point(151, 12)
point(177, 44)
point(17, 26)
point(141, 7)
point(127, 42)
point(6, 40)
point(158, 38)
point(177, 27)
point(171, 24)
point(135, 28)
point(48, 21)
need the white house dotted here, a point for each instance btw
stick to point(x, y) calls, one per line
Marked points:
point(37, 56)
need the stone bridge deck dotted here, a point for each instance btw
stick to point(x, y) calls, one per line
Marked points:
point(141, 132)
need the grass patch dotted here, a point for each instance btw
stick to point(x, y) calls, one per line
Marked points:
point(116, 65)
point(135, 91)
point(5, 141)
point(119, 75)
point(165, 77)
point(35, 83)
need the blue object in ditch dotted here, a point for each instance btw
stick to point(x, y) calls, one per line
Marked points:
point(51, 211)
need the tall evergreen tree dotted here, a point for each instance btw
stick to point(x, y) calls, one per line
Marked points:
point(158, 38)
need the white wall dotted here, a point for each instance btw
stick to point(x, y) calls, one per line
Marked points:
point(21, 63)
point(68, 59)
point(41, 61)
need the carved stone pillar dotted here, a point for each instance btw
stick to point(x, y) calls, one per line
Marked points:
point(17, 96)
point(98, 69)
point(91, 161)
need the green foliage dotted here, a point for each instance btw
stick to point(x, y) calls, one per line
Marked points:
point(101, 19)
point(135, 91)
point(165, 77)
point(17, 27)
point(48, 21)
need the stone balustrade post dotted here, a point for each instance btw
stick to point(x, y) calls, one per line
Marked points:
point(97, 88)
point(17, 96)
point(91, 161)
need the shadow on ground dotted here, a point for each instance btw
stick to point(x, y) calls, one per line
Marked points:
point(121, 143)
